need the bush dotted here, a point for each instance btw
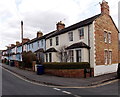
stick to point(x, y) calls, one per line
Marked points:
point(64, 65)
point(21, 64)
point(28, 58)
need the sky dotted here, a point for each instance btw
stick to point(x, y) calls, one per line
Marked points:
point(42, 15)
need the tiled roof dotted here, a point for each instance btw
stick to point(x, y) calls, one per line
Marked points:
point(75, 26)
point(78, 45)
point(51, 50)
point(40, 50)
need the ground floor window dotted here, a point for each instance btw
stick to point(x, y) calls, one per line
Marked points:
point(71, 53)
point(50, 57)
point(65, 57)
point(40, 57)
point(46, 57)
point(106, 56)
point(78, 56)
point(110, 57)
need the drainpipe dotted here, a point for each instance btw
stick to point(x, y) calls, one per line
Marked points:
point(89, 49)
point(89, 40)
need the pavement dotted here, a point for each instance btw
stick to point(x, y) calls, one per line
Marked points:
point(61, 81)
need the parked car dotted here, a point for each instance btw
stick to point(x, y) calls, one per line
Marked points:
point(118, 70)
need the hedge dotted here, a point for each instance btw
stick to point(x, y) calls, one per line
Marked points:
point(63, 65)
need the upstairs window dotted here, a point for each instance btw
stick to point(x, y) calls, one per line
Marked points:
point(70, 34)
point(32, 45)
point(41, 42)
point(105, 36)
point(50, 42)
point(29, 46)
point(81, 33)
point(109, 37)
point(57, 40)
point(38, 44)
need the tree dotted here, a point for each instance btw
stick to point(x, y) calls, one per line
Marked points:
point(63, 54)
point(28, 58)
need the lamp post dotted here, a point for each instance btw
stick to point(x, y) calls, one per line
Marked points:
point(22, 34)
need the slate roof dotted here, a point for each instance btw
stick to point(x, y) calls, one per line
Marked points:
point(43, 37)
point(51, 50)
point(78, 45)
point(75, 26)
point(40, 50)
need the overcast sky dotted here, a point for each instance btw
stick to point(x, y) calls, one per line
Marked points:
point(42, 15)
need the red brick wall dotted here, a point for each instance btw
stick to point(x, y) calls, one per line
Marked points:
point(71, 73)
point(102, 23)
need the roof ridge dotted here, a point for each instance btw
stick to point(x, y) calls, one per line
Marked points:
point(75, 26)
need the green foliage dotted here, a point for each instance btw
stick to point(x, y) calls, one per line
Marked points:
point(65, 65)
point(21, 64)
point(28, 58)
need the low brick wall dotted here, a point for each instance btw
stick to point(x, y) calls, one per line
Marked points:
point(71, 73)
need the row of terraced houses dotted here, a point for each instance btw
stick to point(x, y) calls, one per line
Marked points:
point(93, 40)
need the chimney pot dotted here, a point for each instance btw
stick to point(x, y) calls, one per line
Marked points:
point(105, 8)
point(39, 34)
point(60, 25)
point(17, 43)
point(25, 40)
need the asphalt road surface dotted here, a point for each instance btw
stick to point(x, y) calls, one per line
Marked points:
point(12, 85)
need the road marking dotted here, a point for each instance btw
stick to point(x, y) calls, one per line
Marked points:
point(76, 96)
point(67, 87)
point(66, 92)
point(57, 89)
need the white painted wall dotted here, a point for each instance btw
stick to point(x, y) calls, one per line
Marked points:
point(64, 41)
point(105, 69)
point(92, 45)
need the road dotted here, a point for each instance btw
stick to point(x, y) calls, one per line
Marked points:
point(12, 85)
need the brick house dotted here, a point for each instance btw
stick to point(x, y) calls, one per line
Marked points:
point(94, 40)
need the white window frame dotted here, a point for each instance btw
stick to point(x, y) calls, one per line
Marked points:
point(51, 42)
point(32, 45)
point(79, 57)
point(42, 42)
point(81, 33)
point(110, 56)
point(71, 52)
point(38, 44)
point(106, 56)
point(109, 37)
point(57, 40)
point(70, 35)
point(105, 36)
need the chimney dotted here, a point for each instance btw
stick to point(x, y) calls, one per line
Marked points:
point(17, 43)
point(25, 40)
point(105, 8)
point(60, 25)
point(12, 45)
point(39, 34)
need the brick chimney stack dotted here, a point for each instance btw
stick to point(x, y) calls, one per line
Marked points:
point(17, 43)
point(39, 34)
point(25, 40)
point(60, 25)
point(12, 45)
point(105, 8)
